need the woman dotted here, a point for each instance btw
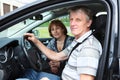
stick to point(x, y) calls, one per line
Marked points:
point(59, 42)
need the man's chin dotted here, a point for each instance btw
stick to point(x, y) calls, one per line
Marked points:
point(74, 33)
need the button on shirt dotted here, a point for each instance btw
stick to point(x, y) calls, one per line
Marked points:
point(84, 59)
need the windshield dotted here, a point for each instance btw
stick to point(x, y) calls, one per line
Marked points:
point(15, 4)
point(20, 26)
point(15, 28)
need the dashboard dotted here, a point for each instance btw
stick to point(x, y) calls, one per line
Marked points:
point(12, 58)
point(7, 52)
point(18, 54)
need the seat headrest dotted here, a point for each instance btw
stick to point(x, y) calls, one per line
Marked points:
point(99, 22)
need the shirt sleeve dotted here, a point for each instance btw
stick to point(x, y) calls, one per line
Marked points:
point(88, 60)
point(68, 49)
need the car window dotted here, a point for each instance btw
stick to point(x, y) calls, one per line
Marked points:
point(27, 23)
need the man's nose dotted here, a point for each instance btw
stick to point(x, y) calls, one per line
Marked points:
point(73, 22)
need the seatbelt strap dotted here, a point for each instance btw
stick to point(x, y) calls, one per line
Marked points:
point(74, 48)
point(78, 45)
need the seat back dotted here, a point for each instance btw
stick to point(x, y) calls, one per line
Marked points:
point(99, 24)
point(100, 28)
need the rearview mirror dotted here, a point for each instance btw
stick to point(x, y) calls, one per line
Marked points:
point(37, 17)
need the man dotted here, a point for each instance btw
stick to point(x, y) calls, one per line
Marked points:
point(83, 60)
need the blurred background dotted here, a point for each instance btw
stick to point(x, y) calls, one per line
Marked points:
point(10, 5)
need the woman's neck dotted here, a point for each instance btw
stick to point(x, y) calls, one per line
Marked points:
point(60, 43)
point(61, 39)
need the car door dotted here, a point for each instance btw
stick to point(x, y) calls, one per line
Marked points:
point(110, 60)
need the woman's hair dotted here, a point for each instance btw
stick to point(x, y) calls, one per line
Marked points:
point(57, 22)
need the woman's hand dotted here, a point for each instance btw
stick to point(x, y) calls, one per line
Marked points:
point(54, 65)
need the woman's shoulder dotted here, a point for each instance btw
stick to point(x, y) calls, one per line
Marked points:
point(70, 38)
point(52, 40)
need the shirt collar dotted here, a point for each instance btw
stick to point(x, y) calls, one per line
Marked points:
point(80, 39)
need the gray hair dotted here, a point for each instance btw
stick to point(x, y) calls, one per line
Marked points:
point(85, 9)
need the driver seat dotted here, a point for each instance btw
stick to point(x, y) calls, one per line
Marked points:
point(100, 28)
point(99, 25)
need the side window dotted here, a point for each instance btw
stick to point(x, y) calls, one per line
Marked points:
point(42, 31)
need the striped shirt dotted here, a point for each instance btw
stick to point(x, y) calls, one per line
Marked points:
point(84, 59)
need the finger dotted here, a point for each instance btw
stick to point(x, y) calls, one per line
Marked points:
point(26, 35)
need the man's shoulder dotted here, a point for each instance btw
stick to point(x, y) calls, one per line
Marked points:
point(93, 43)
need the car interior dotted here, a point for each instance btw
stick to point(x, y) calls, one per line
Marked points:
point(18, 54)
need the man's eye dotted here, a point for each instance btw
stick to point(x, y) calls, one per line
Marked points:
point(78, 19)
point(71, 19)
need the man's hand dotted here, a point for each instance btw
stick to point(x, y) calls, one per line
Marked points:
point(31, 37)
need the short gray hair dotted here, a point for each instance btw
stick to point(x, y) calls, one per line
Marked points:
point(85, 9)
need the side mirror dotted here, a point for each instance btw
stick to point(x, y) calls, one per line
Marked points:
point(36, 33)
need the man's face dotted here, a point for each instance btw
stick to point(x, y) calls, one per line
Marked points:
point(79, 23)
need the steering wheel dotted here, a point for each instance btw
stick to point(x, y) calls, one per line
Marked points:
point(32, 53)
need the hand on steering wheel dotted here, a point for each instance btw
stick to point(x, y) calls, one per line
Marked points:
point(32, 53)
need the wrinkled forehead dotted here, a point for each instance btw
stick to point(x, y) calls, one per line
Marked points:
point(78, 12)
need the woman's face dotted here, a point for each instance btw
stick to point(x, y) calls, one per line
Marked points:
point(56, 31)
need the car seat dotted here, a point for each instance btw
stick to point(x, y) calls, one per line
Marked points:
point(99, 25)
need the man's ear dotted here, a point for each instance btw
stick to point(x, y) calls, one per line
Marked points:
point(89, 23)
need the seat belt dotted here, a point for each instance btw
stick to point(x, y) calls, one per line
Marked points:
point(79, 44)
